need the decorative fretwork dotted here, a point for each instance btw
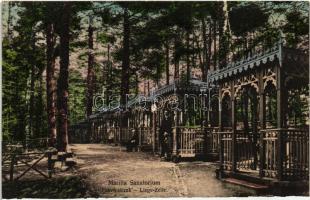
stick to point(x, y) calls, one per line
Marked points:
point(225, 90)
point(168, 100)
point(250, 80)
point(269, 76)
point(248, 63)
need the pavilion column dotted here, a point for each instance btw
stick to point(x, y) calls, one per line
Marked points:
point(154, 131)
point(280, 116)
point(220, 109)
point(221, 149)
point(280, 106)
point(140, 130)
point(233, 124)
point(174, 132)
point(158, 115)
point(262, 121)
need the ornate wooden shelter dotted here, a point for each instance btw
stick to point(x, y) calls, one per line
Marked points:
point(256, 113)
point(245, 115)
point(183, 101)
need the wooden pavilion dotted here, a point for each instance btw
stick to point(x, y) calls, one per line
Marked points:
point(263, 86)
point(245, 116)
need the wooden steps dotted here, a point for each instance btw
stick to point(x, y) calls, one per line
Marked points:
point(246, 184)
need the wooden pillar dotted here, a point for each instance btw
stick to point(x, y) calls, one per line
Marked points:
point(280, 116)
point(140, 131)
point(175, 132)
point(220, 108)
point(221, 149)
point(154, 132)
point(233, 124)
point(279, 98)
point(262, 122)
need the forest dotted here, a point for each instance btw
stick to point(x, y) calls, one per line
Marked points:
point(56, 56)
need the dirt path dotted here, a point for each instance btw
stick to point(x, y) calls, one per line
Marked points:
point(113, 172)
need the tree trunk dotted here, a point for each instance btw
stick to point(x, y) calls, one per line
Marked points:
point(62, 84)
point(90, 71)
point(167, 63)
point(214, 47)
point(50, 84)
point(108, 79)
point(208, 58)
point(205, 65)
point(176, 60)
point(137, 83)
point(32, 80)
point(126, 59)
point(39, 130)
point(221, 24)
point(188, 70)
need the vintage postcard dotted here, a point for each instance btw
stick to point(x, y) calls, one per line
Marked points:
point(137, 99)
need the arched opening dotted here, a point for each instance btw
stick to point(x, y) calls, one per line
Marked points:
point(226, 111)
point(246, 113)
point(271, 105)
point(297, 108)
point(214, 110)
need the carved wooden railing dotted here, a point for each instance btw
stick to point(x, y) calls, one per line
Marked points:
point(124, 134)
point(226, 153)
point(246, 152)
point(114, 133)
point(104, 133)
point(191, 142)
point(239, 154)
point(145, 135)
point(285, 154)
point(212, 140)
point(277, 153)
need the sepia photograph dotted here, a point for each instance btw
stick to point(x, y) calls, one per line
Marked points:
point(144, 99)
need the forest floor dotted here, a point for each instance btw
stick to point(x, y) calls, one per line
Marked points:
point(109, 171)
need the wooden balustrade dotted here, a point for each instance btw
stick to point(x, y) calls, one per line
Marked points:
point(285, 154)
point(212, 140)
point(145, 135)
point(245, 150)
point(226, 150)
point(191, 142)
point(125, 134)
point(281, 153)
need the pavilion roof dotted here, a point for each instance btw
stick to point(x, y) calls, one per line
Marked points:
point(284, 56)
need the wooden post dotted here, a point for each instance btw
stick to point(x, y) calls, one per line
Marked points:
point(221, 150)
point(279, 145)
point(220, 109)
point(175, 130)
point(262, 121)
point(154, 131)
point(12, 166)
point(49, 164)
point(233, 124)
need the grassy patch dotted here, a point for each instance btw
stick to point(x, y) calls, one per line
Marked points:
point(64, 187)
